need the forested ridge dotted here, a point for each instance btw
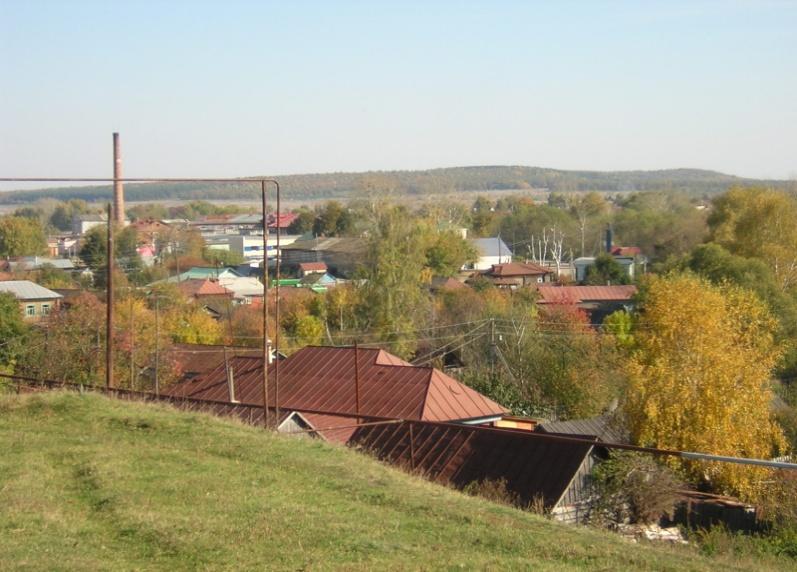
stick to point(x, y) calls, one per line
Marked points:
point(433, 181)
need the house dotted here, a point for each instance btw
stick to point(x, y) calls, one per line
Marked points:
point(534, 467)
point(597, 301)
point(489, 251)
point(306, 268)
point(605, 428)
point(630, 259)
point(326, 387)
point(83, 223)
point(37, 262)
point(202, 273)
point(36, 302)
point(514, 275)
point(198, 289)
point(342, 255)
point(279, 225)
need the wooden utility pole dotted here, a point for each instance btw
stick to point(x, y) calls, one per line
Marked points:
point(357, 381)
point(109, 304)
point(157, 345)
point(265, 306)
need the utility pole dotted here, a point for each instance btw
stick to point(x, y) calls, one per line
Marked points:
point(492, 348)
point(357, 381)
point(132, 343)
point(157, 345)
point(109, 304)
point(277, 314)
point(265, 306)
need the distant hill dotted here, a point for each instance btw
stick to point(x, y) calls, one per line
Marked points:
point(418, 183)
point(88, 483)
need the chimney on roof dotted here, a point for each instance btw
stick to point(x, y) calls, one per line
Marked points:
point(118, 188)
point(608, 239)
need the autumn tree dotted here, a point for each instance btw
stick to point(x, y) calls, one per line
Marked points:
point(703, 363)
point(21, 236)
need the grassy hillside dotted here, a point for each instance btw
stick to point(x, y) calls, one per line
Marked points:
point(416, 183)
point(88, 483)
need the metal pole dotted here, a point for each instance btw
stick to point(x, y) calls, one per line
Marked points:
point(109, 304)
point(132, 343)
point(265, 306)
point(357, 381)
point(157, 345)
point(412, 448)
point(277, 315)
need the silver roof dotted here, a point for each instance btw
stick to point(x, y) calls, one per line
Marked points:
point(27, 290)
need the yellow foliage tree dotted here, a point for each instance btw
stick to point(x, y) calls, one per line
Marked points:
point(192, 325)
point(700, 378)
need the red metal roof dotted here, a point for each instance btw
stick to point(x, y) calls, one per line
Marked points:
point(626, 251)
point(322, 380)
point(517, 269)
point(576, 294)
point(461, 454)
point(197, 288)
point(313, 267)
point(285, 220)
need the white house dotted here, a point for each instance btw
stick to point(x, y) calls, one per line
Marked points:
point(490, 251)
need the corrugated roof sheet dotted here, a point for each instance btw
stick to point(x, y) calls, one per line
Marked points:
point(490, 246)
point(206, 287)
point(461, 454)
point(576, 294)
point(517, 269)
point(322, 380)
point(603, 427)
point(27, 290)
point(313, 267)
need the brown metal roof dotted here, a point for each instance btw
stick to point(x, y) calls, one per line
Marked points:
point(518, 269)
point(196, 288)
point(576, 294)
point(461, 454)
point(195, 359)
point(322, 380)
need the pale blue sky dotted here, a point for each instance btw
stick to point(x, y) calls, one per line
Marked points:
point(247, 88)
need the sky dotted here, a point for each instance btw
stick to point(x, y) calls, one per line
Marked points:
point(234, 88)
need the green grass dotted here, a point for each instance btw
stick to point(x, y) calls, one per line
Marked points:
point(88, 483)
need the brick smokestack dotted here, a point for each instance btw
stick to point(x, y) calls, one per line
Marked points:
point(118, 188)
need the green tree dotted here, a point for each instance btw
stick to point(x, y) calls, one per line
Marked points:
point(304, 221)
point(448, 252)
point(759, 223)
point(606, 270)
point(21, 236)
point(13, 332)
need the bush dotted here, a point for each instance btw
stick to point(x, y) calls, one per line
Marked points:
point(633, 488)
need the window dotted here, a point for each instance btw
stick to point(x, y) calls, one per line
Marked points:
point(30, 310)
point(45, 309)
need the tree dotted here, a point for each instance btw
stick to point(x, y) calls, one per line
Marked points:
point(393, 299)
point(332, 220)
point(703, 363)
point(448, 252)
point(606, 270)
point(304, 221)
point(21, 236)
point(585, 208)
point(13, 331)
point(759, 223)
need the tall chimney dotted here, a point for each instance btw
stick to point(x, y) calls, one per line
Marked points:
point(118, 188)
point(608, 239)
